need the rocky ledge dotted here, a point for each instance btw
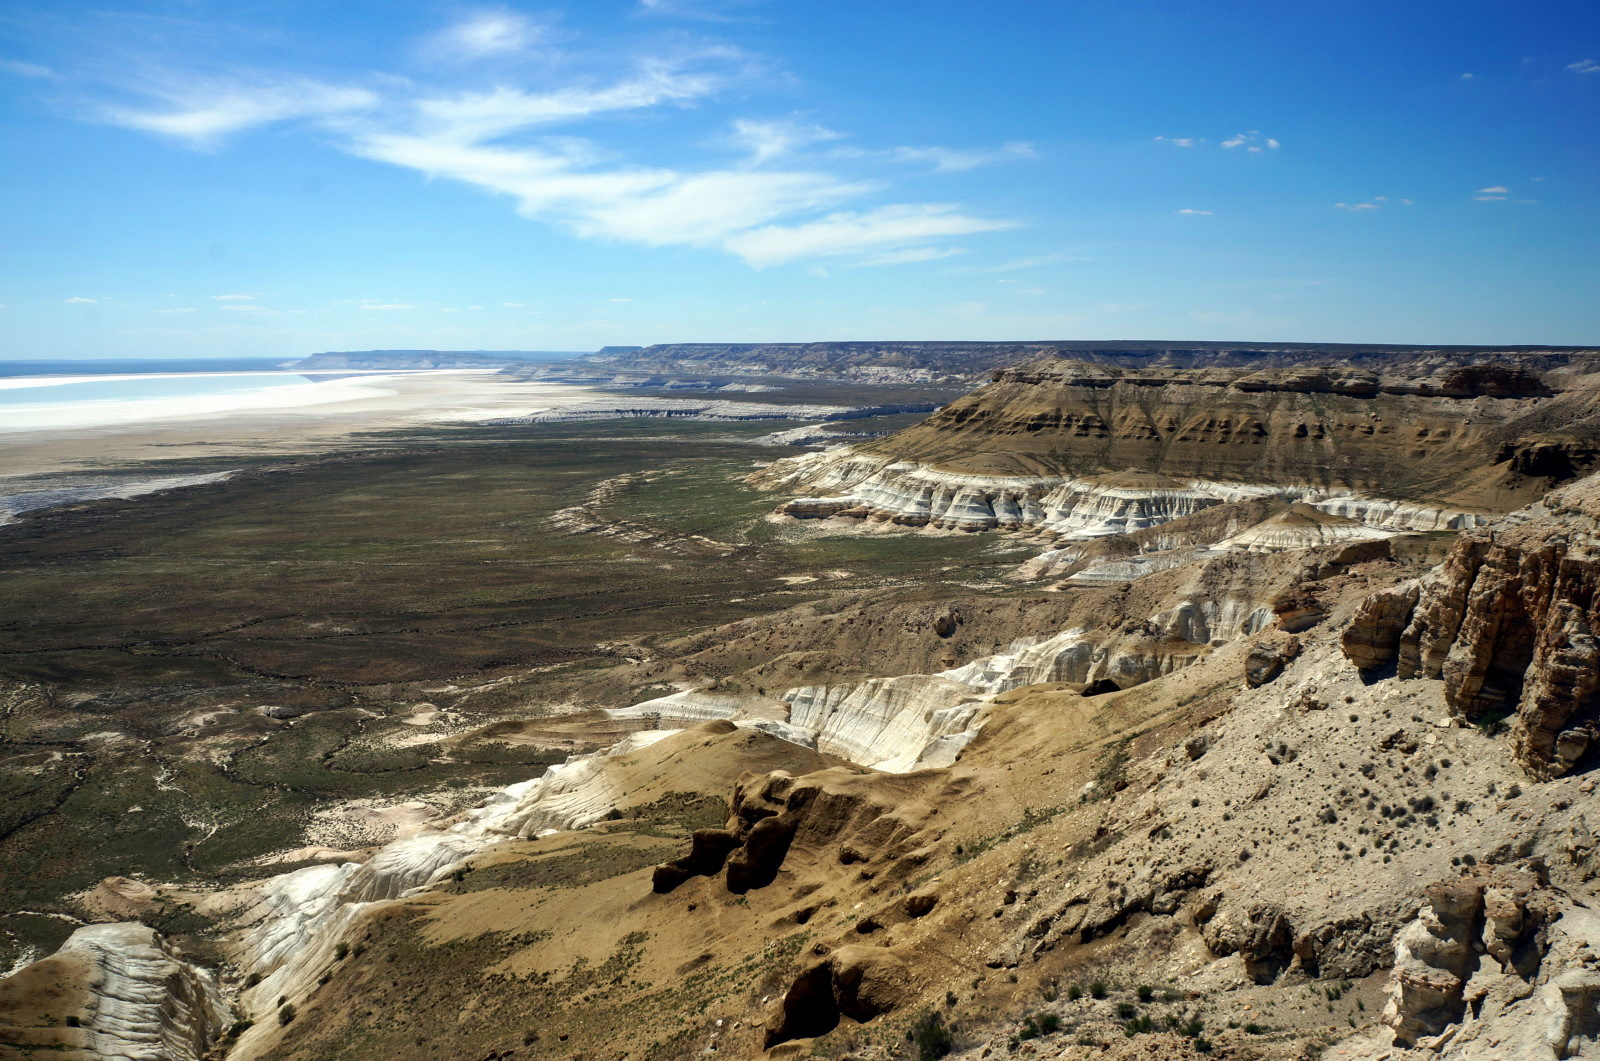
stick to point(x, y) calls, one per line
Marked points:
point(913, 494)
point(1508, 621)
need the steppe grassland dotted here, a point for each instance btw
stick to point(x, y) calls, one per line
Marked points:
point(415, 578)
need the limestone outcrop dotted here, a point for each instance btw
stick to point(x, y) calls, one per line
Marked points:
point(1508, 622)
point(1497, 964)
point(114, 991)
point(915, 494)
point(1372, 639)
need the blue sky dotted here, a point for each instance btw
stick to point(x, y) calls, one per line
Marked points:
point(239, 179)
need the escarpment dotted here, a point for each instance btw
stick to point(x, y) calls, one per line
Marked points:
point(1508, 623)
point(1079, 450)
point(1328, 427)
point(1220, 772)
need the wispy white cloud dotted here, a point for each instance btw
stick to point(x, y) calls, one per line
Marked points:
point(700, 10)
point(775, 139)
point(201, 113)
point(515, 141)
point(233, 298)
point(1377, 202)
point(620, 300)
point(476, 116)
point(180, 309)
point(850, 233)
point(385, 306)
point(18, 68)
point(83, 301)
point(487, 33)
point(1016, 264)
point(1197, 213)
point(910, 255)
point(1181, 141)
point(1496, 189)
point(954, 160)
point(1584, 67)
point(1252, 142)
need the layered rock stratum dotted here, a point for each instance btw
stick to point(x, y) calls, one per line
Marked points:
point(1282, 747)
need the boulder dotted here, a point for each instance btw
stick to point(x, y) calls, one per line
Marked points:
point(1267, 659)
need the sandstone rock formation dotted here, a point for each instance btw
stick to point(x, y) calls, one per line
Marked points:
point(1497, 964)
point(855, 982)
point(1508, 622)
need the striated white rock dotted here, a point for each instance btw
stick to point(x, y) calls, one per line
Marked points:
point(1302, 527)
point(296, 918)
point(1207, 620)
point(145, 1003)
point(892, 724)
point(1400, 515)
point(913, 494)
point(701, 706)
point(1066, 657)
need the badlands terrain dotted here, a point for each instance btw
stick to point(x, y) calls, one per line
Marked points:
point(1148, 701)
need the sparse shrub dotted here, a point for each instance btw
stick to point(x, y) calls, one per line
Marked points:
point(74, 1021)
point(930, 1039)
point(1146, 992)
point(1126, 1010)
point(1254, 1029)
point(252, 980)
point(1074, 992)
point(287, 1013)
point(1097, 988)
point(1204, 1046)
point(341, 951)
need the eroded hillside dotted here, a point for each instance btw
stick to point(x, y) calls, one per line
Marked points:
point(1281, 747)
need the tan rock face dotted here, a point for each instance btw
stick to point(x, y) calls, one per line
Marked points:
point(1372, 639)
point(1434, 429)
point(1508, 622)
point(1490, 922)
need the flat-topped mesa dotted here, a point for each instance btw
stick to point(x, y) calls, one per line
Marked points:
point(1078, 449)
point(1492, 380)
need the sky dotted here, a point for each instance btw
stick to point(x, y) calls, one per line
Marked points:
point(232, 179)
